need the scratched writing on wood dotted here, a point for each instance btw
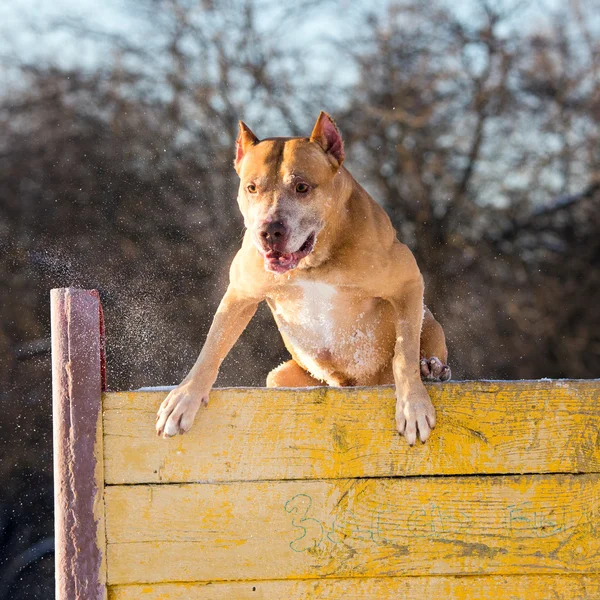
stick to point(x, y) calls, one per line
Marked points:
point(524, 518)
point(381, 524)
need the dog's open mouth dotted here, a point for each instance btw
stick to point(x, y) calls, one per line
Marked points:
point(280, 262)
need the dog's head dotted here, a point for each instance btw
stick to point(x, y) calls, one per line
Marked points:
point(287, 190)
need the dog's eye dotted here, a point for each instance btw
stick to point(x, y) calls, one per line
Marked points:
point(302, 188)
point(251, 188)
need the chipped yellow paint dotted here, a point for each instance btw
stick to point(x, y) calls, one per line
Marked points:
point(496, 525)
point(513, 587)
point(258, 434)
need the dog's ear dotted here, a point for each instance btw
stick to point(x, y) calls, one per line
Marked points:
point(327, 135)
point(245, 139)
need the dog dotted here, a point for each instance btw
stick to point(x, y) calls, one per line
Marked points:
point(346, 295)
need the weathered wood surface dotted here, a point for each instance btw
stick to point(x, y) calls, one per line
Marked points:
point(511, 587)
point(497, 525)
point(77, 440)
point(257, 434)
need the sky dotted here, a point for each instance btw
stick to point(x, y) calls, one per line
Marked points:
point(31, 27)
point(46, 31)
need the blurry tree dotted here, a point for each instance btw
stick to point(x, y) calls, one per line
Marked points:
point(470, 133)
point(122, 179)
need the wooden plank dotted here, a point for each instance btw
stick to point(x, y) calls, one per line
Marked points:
point(77, 436)
point(354, 528)
point(257, 434)
point(512, 587)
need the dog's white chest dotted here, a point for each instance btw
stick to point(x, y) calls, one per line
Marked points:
point(308, 315)
point(315, 312)
point(328, 329)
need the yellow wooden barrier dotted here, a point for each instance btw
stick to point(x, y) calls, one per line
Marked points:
point(297, 494)
point(312, 493)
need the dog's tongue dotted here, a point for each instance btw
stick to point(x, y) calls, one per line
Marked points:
point(279, 262)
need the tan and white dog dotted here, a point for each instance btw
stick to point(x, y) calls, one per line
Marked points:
point(347, 296)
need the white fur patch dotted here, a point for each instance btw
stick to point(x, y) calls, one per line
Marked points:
point(315, 324)
point(315, 310)
point(312, 315)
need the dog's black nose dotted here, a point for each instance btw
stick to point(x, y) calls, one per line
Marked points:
point(273, 233)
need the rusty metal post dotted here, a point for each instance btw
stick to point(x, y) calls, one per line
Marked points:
point(77, 384)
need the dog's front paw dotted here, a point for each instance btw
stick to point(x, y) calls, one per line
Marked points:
point(433, 369)
point(176, 413)
point(415, 416)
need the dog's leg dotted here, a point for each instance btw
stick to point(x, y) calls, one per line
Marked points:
point(434, 354)
point(415, 414)
point(176, 414)
point(291, 374)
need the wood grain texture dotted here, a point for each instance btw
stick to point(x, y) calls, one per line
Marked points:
point(322, 433)
point(512, 587)
point(354, 528)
